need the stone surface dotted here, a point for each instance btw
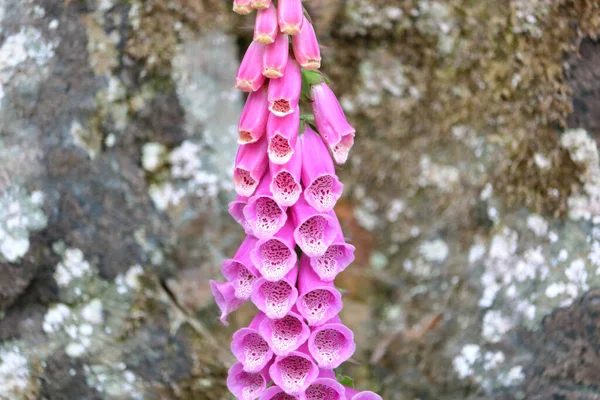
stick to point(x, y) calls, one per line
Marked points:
point(472, 195)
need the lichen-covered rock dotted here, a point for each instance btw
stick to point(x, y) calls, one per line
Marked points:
point(472, 195)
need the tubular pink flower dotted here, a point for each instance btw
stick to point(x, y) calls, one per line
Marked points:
point(285, 179)
point(224, 295)
point(276, 393)
point(242, 7)
point(266, 27)
point(322, 186)
point(276, 299)
point(282, 134)
point(262, 212)
point(325, 389)
point(314, 232)
point(249, 77)
point(318, 301)
point(274, 257)
point(290, 16)
point(260, 4)
point(247, 385)
point(284, 93)
point(236, 210)
point(250, 165)
point(294, 373)
point(331, 344)
point(331, 122)
point(306, 47)
point(337, 257)
point(240, 271)
point(284, 335)
point(352, 394)
point(250, 348)
point(276, 56)
point(253, 121)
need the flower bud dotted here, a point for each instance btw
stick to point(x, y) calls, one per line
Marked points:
point(253, 121)
point(266, 27)
point(247, 385)
point(306, 47)
point(250, 165)
point(242, 7)
point(323, 188)
point(318, 301)
point(284, 93)
point(290, 16)
point(331, 122)
point(249, 76)
point(276, 56)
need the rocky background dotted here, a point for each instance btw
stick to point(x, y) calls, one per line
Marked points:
point(472, 195)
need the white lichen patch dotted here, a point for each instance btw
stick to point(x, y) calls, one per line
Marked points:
point(443, 177)
point(464, 362)
point(14, 372)
point(584, 151)
point(537, 225)
point(72, 266)
point(24, 52)
point(576, 283)
point(92, 312)
point(437, 19)
point(114, 383)
point(366, 15)
point(19, 215)
point(434, 251)
point(55, 318)
point(153, 156)
point(495, 325)
point(129, 281)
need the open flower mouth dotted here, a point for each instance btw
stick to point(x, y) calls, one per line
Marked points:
point(294, 371)
point(265, 216)
point(321, 392)
point(286, 334)
point(276, 259)
point(280, 107)
point(323, 193)
point(286, 190)
point(331, 347)
point(274, 298)
point(245, 185)
point(313, 235)
point(280, 150)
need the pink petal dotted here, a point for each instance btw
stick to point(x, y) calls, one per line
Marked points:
point(224, 295)
point(276, 256)
point(331, 122)
point(266, 27)
point(260, 4)
point(338, 257)
point(250, 164)
point(285, 179)
point(276, 393)
point(249, 77)
point(276, 299)
point(240, 271)
point(282, 134)
point(242, 7)
point(294, 373)
point(262, 212)
point(331, 344)
point(251, 349)
point(290, 15)
point(318, 301)
point(325, 389)
point(236, 210)
point(286, 334)
point(314, 232)
point(352, 394)
point(323, 188)
point(253, 121)
point(246, 385)
point(284, 93)
point(306, 47)
point(276, 57)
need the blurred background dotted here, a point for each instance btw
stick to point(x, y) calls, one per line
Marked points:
point(472, 195)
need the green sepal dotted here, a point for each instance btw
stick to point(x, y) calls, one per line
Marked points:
point(310, 78)
point(344, 380)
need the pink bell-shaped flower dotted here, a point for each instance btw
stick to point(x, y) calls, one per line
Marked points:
point(266, 27)
point(306, 47)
